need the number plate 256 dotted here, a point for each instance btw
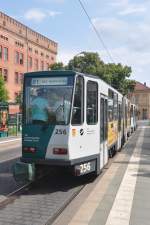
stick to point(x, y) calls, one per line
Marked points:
point(85, 168)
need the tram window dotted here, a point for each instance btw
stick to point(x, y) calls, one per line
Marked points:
point(78, 105)
point(110, 105)
point(120, 117)
point(48, 104)
point(102, 132)
point(106, 119)
point(92, 103)
point(115, 106)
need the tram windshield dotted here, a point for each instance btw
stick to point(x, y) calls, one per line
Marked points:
point(48, 100)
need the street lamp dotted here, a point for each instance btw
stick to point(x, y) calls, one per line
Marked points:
point(80, 53)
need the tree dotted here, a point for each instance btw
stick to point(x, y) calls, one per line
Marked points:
point(3, 90)
point(18, 99)
point(128, 86)
point(114, 74)
point(119, 76)
point(88, 62)
point(57, 66)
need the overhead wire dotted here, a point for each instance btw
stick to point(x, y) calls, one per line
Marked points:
point(96, 31)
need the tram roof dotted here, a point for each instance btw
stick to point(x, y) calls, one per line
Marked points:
point(66, 73)
point(51, 73)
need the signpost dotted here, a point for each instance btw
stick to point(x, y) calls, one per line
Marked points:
point(3, 119)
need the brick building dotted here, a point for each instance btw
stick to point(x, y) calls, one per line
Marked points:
point(22, 50)
point(141, 97)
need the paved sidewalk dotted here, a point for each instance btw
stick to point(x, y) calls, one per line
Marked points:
point(122, 195)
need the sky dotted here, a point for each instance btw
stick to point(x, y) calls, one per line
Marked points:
point(124, 26)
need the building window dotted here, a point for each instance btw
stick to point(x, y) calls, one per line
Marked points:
point(36, 64)
point(17, 57)
point(30, 62)
point(42, 54)
point(19, 44)
point(36, 52)
point(5, 74)
point(30, 49)
point(21, 58)
point(16, 78)
point(1, 50)
point(4, 37)
point(42, 65)
point(5, 54)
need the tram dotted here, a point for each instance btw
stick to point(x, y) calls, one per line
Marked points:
point(71, 120)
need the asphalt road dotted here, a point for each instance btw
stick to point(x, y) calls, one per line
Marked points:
point(9, 154)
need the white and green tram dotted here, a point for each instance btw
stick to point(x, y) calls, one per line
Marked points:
point(70, 120)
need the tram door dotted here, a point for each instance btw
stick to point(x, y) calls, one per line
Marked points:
point(103, 130)
point(119, 125)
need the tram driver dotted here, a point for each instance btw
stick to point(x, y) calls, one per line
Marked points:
point(40, 107)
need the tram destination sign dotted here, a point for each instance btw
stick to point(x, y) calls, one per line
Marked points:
point(49, 81)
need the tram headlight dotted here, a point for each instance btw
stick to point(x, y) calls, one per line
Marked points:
point(60, 151)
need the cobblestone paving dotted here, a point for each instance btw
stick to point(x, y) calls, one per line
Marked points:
point(7, 160)
point(41, 203)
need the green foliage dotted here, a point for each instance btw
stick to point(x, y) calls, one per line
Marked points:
point(57, 66)
point(116, 75)
point(128, 86)
point(18, 99)
point(3, 90)
point(89, 63)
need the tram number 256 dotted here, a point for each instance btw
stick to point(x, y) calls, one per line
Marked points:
point(61, 131)
point(86, 167)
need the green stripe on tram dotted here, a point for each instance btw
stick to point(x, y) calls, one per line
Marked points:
point(38, 137)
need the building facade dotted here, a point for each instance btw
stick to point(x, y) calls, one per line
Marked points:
point(141, 97)
point(22, 50)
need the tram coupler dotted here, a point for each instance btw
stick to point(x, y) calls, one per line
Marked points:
point(24, 172)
